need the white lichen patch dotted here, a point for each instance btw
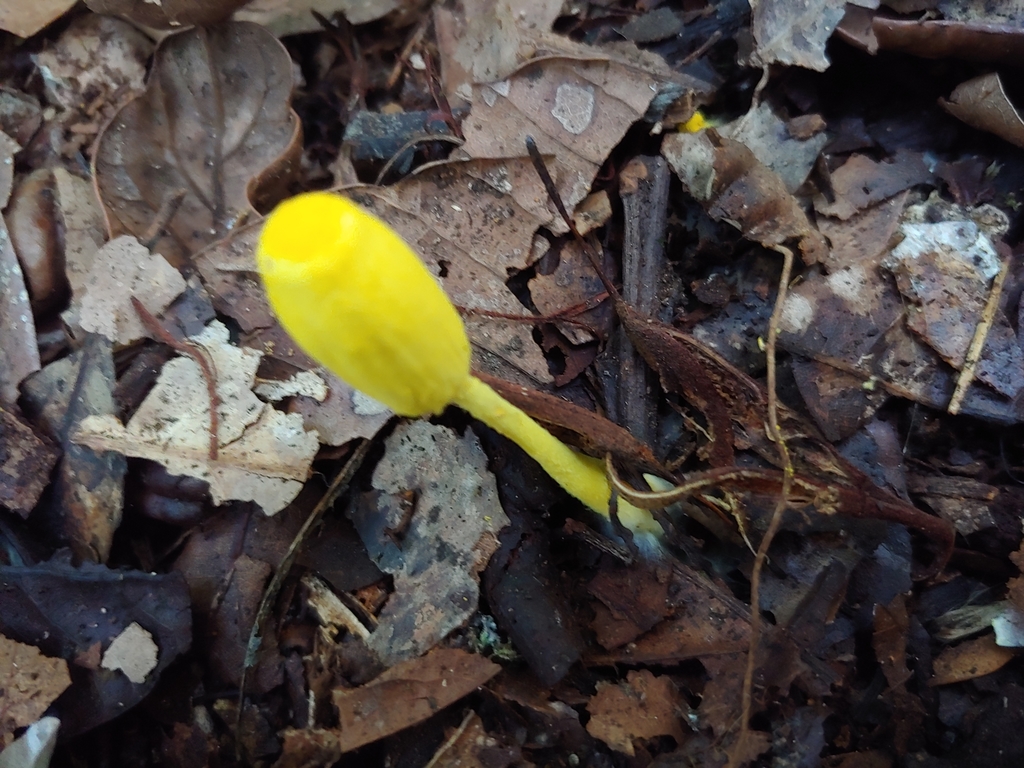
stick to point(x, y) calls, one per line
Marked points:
point(574, 108)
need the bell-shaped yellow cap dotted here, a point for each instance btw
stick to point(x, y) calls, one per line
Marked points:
point(359, 301)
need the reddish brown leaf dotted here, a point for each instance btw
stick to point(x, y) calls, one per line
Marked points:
point(407, 694)
point(643, 707)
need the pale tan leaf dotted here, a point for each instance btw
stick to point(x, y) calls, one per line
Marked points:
point(264, 454)
point(132, 652)
point(24, 19)
point(123, 269)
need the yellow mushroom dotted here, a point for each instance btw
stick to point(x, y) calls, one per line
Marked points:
point(356, 298)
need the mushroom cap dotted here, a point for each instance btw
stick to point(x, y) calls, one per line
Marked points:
point(358, 300)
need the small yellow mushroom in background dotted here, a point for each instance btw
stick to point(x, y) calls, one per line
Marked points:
point(358, 300)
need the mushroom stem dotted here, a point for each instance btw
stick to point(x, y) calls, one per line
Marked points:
point(582, 476)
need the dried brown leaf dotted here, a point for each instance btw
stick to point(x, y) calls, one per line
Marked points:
point(861, 182)
point(96, 60)
point(167, 14)
point(969, 660)
point(25, 464)
point(25, 19)
point(643, 707)
point(30, 684)
point(729, 181)
point(576, 101)
point(446, 536)
point(214, 125)
point(950, 39)
point(982, 103)
point(408, 694)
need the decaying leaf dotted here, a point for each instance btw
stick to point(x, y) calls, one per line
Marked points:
point(19, 353)
point(794, 33)
point(132, 652)
point(577, 102)
point(25, 464)
point(293, 17)
point(969, 660)
point(89, 487)
point(774, 144)
point(29, 683)
point(469, 224)
point(407, 694)
point(264, 454)
point(860, 322)
point(727, 179)
point(96, 59)
point(168, 14)
point(982, 103)
point(213, 126)
point(25, 19)
point(72, 612)
point(861, 182)
point(123, 269)
point(643, 707)
point(433, 523)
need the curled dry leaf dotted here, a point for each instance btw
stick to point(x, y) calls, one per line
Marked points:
point(982, 103)
point(29, 683)
point(975, 39)
point(729, 181)
point(167, 14)
point(214, 128)
point(447, 541)
point(265, 455)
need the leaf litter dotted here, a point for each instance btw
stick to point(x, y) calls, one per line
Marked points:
point(886, 306)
